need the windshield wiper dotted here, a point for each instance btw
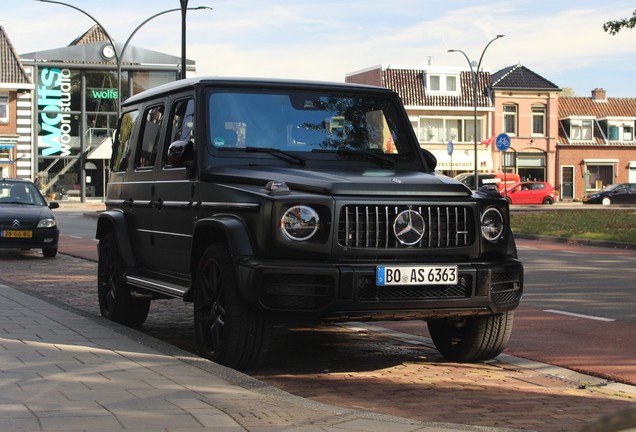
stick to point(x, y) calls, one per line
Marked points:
point(380, 159)
point(281, 154)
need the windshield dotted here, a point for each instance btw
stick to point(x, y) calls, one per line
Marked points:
point(308, 124)
point(20, 193)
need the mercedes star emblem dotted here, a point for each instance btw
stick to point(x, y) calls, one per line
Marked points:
point(409, 227)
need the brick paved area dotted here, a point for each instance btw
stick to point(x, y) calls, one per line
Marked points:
point(361, 367)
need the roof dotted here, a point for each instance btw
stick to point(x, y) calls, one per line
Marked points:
point(11, 69)
point(588, 107)
point(92, 35)
point(520, 78)
point(254, 83)
point(410, 84)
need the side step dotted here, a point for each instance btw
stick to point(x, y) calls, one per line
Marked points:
point(161, 287)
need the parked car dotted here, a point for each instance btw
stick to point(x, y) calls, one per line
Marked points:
point(26, 220)
point(621, 193)
point(500, 180)
point(530, 193)
point(272, 201)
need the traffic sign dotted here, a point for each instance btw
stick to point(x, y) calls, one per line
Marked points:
point(503, 142)
point(449, 148)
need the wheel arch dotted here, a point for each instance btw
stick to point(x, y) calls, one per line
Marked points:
point(221, 228)
point(113, 221)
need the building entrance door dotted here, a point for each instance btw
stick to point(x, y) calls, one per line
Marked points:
point(567, 182)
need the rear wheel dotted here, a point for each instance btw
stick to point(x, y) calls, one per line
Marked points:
point(473, 338)
point(227, 330)
point(548, 200)
point(115, 300)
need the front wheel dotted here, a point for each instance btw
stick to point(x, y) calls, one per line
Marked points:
point(115, 300)
point(473, 338)
point(49, 252)
point(227, 330)
point(606, 201)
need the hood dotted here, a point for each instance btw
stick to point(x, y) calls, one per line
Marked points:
point(23, 213)
point(355, 181)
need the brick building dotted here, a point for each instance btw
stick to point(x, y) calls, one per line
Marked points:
point(596, 144)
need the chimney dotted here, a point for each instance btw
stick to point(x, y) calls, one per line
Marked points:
point(599, 95)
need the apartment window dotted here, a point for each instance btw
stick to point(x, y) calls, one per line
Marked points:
point(510, 119)
point(442, 84)
point(441, 130)
point(451, 83)
point(4, 109)
point(538, 120)
point(434, 83)
point(599, 175)
point(628, 133)
point(581, 130)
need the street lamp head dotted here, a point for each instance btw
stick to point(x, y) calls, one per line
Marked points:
point(201, 8)
point(500, 36)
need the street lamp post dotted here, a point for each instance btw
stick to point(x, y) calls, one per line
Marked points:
point(474, 78)
point(119, 54)
point(184, 8)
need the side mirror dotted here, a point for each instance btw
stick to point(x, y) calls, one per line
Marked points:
point(54, 204)
point(430, 159)
point(181, 154)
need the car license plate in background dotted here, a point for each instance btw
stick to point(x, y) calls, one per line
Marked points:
point(16, 234)
point(416, 275)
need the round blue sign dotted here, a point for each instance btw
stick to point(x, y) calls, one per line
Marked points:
point(503, 142)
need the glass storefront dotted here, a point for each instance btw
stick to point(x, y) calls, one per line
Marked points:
point(76, 114)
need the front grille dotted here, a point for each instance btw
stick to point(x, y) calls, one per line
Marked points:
point(368, 291)
point(371, 226)
point(8, 224)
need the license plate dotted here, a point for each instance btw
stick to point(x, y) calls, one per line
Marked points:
point(17, 234)
point(416, 275)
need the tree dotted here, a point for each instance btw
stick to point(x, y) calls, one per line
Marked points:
point(613, 27)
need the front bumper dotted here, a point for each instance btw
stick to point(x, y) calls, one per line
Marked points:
point(42, 238)
point(343, 292)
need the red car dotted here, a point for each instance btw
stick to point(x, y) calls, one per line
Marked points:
point(529, 193)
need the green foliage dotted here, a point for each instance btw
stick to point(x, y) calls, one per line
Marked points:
point(590, 224)
point(613, 27)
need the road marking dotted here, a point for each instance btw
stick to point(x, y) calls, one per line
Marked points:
point(579, 315)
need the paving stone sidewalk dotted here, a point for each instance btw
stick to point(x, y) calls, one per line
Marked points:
point(63, 371)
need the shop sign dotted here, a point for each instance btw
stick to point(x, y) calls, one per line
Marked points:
point(54, 106)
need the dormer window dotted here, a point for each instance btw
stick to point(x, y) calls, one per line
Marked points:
point(442, 84)
point(581, 130)
point(619, 129)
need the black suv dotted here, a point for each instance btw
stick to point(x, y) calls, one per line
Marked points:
point(266, 202)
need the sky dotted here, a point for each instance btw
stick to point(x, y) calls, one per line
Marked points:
point(563, 41)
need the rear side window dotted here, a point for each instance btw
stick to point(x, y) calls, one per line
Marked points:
point(150, 133)
point(123, 143)
point(181, 125)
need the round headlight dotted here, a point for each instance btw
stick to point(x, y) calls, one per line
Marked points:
point(492, 224)
point(300, 223)
point(46, 223)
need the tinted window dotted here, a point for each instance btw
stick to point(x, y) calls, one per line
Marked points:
point(181, 125)
point(122, 146)
point(149, 143)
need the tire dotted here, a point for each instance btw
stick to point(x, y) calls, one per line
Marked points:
point(509, 200)
point(49, 252)
point(606, 201)
point(472, 339)
point(548, 200)
point(115, 301)
point(227, 331)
